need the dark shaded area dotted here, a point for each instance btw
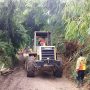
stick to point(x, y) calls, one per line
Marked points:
point(70, 48)
point(30, 23)
point(2, 24)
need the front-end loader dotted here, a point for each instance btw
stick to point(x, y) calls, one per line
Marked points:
point(43, 57)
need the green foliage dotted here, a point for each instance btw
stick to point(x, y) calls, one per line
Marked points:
point(77, 20)
point(6, 48)
point(6, 51)
point(3, 36)
point(71, 31)
point(7, 61)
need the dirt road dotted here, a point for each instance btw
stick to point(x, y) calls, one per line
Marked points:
point(18, 81)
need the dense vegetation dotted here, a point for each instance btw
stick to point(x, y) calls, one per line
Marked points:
point(69, 23)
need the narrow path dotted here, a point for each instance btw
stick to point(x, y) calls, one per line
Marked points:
point(18, 81)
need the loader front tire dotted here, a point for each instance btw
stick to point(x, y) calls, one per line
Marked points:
point(58, 72)
point(30, 67)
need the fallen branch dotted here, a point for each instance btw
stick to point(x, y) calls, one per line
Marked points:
point(5, 71)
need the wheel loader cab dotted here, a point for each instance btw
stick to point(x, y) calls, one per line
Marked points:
point(42, 45)
point(45, 37)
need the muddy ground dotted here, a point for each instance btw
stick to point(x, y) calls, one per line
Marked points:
point(46, 81)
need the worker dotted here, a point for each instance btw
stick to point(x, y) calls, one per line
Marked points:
point(80, 69)
point(42, 42)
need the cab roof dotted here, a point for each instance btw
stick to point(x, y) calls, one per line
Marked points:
point(42, 33)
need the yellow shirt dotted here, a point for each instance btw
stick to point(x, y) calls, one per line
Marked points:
point(81, 63)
